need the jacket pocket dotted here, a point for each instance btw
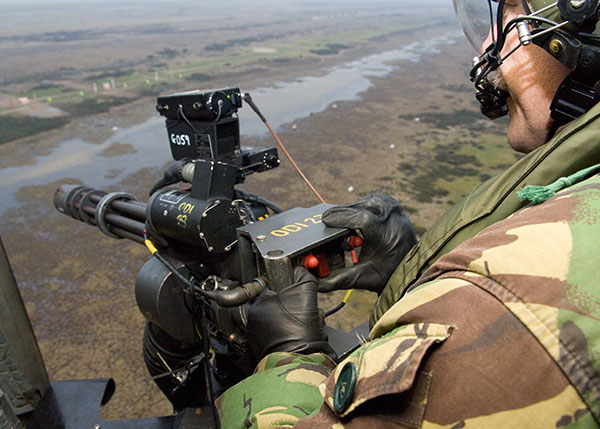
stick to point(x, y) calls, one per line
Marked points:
point(385, 366)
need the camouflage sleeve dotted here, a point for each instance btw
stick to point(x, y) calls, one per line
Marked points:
point(283, 389)
point(287, 387)
point(522, 308)
point(501, 332)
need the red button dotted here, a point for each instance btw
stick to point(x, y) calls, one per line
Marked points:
point(310, 262)
point(355, 241)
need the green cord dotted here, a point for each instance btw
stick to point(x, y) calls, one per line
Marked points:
point(539, 194)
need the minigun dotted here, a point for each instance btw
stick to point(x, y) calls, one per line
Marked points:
point(215, 247)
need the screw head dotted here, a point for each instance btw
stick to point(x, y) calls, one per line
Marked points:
point(556, 47)
point(586, 61)
point(261, 238)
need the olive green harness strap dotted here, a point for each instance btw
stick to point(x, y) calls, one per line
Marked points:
point(574, 148)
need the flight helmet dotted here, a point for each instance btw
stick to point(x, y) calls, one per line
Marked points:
point(567, 29)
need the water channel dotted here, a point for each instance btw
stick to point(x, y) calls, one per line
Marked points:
point(280, 102)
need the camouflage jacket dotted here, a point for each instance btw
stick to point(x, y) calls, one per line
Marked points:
point(496, 199)
point(502, 331)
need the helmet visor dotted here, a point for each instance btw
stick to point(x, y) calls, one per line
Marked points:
point(477, 18)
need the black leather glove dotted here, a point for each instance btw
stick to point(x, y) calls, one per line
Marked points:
point(288, 320)
point(388, 236)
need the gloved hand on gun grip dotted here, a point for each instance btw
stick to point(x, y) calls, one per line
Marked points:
point(388, 236)
point(288, 320)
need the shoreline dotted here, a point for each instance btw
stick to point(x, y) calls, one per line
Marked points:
point(45, 157)
point(252, 75)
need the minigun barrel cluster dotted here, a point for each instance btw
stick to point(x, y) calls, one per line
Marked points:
point(117, 214)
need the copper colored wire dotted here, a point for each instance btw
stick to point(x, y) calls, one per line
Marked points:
point(312, 188)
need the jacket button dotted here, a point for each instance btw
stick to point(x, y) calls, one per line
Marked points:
point(344, 388)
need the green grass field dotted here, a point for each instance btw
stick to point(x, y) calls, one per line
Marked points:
point(16, 127)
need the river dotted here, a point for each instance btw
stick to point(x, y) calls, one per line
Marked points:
point(280, 102)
